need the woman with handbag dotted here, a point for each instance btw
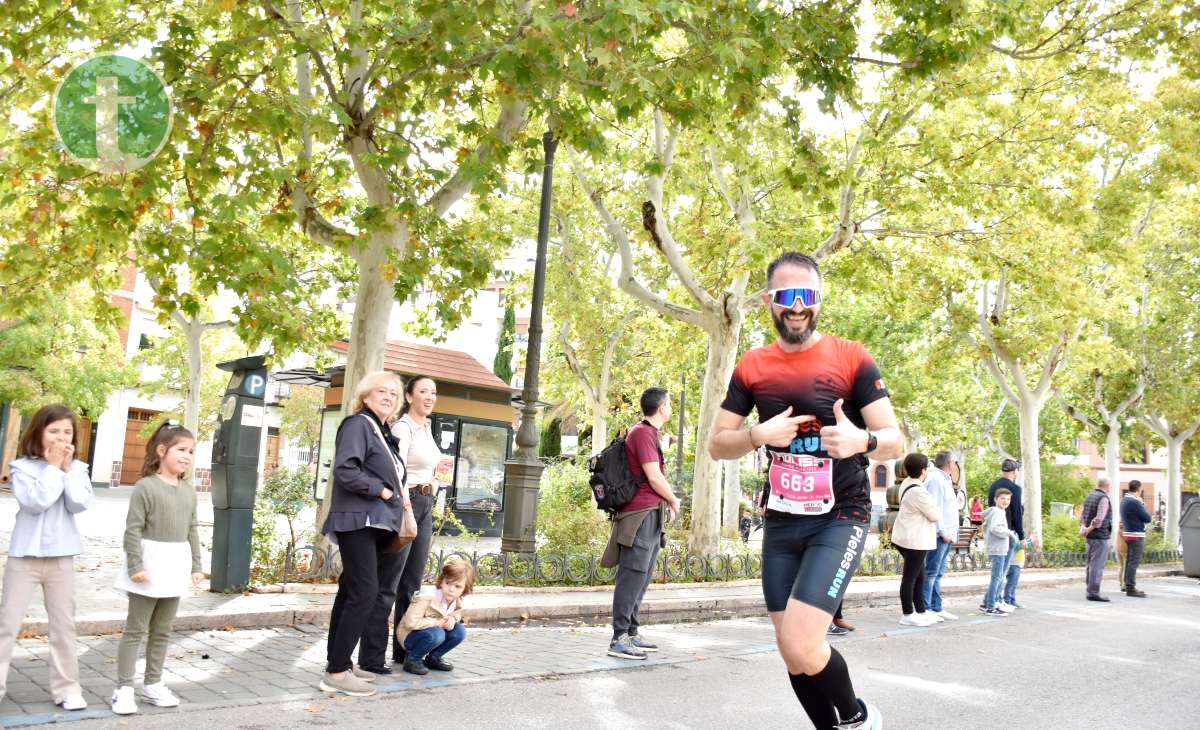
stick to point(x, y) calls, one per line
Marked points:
point(421, 455)
point(914, 535)
point(370, 519)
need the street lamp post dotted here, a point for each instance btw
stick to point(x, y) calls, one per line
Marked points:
point(523, 473)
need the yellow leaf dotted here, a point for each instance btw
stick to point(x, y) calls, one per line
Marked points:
point(227, 5)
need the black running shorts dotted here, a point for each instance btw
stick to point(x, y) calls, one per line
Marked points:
point(810, 559)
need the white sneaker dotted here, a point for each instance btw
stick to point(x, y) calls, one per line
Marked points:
point(947, 616)
point(159, 695)
point(73, 702)
point(873, 720)
point(930, 617)
point(1005, 607)
point(912, 620)
point(123, 702)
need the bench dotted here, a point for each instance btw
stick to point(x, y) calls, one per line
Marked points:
point(966, 534)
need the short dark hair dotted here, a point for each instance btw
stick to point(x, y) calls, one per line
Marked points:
point(652, 400)
point(942, 459)
point(792, 258)
point(1135, 485)
point(30, 445)
point(915, 463)
point(1003, 491)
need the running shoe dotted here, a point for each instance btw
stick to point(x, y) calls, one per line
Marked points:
point(622, 648)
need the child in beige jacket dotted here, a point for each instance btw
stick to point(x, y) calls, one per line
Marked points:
point(432, 625)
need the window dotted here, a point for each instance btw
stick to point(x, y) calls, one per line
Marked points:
point(479, 477)
point(881, 476)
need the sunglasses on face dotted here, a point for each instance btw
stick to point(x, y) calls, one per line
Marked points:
point(787, 298)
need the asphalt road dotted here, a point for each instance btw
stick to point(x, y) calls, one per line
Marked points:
point(1061, 663)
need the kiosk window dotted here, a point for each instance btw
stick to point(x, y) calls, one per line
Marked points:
point(479, 479)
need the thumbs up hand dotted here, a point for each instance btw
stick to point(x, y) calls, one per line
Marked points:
point(843, 439)
point(780, 430)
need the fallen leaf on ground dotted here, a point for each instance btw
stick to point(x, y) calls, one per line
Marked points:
point(313, 708)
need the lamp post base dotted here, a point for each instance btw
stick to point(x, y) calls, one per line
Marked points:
point(521, 487)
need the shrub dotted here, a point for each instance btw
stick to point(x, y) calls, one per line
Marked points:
point(1062, 535)
point(568, 521)
point(285, 493)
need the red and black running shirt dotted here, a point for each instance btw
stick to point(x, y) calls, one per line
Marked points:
point(811, 381)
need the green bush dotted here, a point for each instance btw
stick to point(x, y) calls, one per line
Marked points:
point(568, 521)
point(1062, 535)
point(1062, 483)
point(285, 493)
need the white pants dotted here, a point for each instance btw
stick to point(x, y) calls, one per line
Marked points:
point(56, 576)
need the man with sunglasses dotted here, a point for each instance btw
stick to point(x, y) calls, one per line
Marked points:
point(822, 406)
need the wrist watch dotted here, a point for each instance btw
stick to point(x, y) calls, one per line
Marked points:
point(872, 442)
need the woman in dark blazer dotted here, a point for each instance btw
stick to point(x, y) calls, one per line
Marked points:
point(367, 504)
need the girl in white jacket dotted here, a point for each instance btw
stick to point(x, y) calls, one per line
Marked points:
point(914, 535)
point(51, 487)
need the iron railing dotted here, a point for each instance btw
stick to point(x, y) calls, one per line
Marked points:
point(312, 563)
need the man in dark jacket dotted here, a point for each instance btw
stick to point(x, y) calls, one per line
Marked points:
point(1015, 516)
point(1134, 517)
point(1096, 525)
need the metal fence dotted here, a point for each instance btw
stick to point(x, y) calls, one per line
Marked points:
point(311, 563)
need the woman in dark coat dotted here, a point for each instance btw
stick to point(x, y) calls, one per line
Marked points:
point(368, 504)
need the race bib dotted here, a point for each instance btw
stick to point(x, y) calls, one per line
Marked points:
point(801, 485)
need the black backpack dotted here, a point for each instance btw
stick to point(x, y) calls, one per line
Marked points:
point(612, 481)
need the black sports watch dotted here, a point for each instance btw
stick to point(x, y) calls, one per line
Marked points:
point(872, 442)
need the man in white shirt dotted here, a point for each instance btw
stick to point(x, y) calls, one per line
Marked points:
point(941, 488)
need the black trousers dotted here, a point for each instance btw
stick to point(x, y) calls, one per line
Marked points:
point(1137, 549)
point(408, 576)
point(363, 561)
point(912, 579)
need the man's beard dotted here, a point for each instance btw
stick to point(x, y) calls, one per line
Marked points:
point(790, 336)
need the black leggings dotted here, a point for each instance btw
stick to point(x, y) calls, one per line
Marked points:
point(912, 579)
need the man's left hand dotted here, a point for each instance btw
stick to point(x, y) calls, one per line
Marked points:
point(843, 439)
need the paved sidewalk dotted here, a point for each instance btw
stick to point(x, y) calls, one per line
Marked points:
point(268, 666)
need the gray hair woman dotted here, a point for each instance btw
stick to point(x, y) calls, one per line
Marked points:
point(367, 505)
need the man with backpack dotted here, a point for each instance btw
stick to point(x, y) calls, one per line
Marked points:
point(637, 526)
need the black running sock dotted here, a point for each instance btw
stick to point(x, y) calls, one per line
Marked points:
point(834, 683)
point(816, 704)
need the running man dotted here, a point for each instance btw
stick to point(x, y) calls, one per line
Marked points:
point(822, 406)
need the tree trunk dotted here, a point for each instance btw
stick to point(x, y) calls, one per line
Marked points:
point(1174, 480)
point(1028, 413)
point(1112, 468)
point(368, 336)
point(194, 333)
point(733, 498)
point(706, 482)
point(599, 427)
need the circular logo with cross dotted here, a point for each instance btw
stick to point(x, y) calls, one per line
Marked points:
point(112, 114)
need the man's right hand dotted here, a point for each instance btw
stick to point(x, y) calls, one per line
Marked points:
point(673, 510)
point(780, 430)
point(947, 537)
point(386, 495)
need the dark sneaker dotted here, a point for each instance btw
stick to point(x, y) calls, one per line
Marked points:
point(438, 664)
point(622, 647)
point(641, 643)
point(835, 630)
point(1135, 593)
point(415, 666)
point(1101, 599)
point(994, 612)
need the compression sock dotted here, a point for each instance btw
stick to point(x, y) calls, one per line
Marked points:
point(833, 682)
point(816, 704)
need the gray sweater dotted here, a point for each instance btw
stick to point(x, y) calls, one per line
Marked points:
point(164, 513)
point(996, 533)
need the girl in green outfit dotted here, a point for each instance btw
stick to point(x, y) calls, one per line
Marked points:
point(162, 563)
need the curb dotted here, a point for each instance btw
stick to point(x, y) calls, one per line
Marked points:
point(696, 608)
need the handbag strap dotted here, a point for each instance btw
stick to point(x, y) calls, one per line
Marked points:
point(396, 464)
